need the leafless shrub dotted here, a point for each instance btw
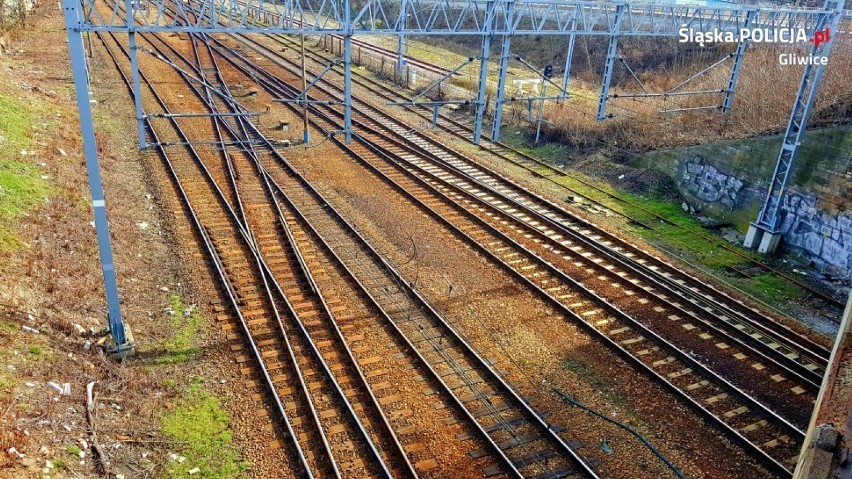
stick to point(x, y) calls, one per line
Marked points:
point(764, 97)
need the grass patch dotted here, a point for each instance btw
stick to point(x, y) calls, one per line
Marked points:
point(6, 384)
point(550, 152)
point(21, 186)
point(683, 236)
point(686, 235)
point(73, 450)
point(774, 288)
point(202, 429)
point(9, 328)
point(186, 322)
point(15, 124)
point(581, 369)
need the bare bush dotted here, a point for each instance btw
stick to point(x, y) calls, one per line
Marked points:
point(763, 100)
point(14, 14)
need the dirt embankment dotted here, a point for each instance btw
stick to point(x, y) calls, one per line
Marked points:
point(51, 282)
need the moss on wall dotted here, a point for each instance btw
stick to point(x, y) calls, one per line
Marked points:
point(821, 170)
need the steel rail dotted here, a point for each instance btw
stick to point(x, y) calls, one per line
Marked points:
point(552, 433)
point(507, 388)
point(218, 267)
point(301, 327)
point(815, 352)
point(496, 151)
point(243, 134)
point(485, 365)
point(768, 459)
point(436, 376)
point(246, 238)
point(596, 298)
point(268, 277)
point(424, 303)
point(743, 337)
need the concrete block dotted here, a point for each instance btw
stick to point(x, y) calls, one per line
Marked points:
point(769, 242)
point(753, 236)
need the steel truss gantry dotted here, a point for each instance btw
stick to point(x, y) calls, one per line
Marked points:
point(764, 233)
point(487, 19)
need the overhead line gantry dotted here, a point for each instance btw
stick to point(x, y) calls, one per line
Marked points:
point(487, 19)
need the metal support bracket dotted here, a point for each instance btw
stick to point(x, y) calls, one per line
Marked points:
point(609, 66)
point(400, 45)
point(137, 89)
point(347, 87)
point(569, 58)
point(71, 9)
point(738, 55)
point(435, 83)
point(304, 93)
point(764, 232)
point(505, 51)
point(483, 71)
point(133, 48)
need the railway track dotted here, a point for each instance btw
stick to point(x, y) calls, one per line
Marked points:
point(551, 173)
point(792, 350)
point(309, 397)
point(745, 418)
point(388, 147)
point(318, 316)
point(373, 113)
point(541, 169)
point(753, 327)
point(330, 40)
point(527, 445)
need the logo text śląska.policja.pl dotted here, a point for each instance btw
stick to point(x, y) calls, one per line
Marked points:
point(763, 35)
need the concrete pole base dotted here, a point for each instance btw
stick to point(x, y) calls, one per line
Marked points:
point(753, 236)
point(769, 242)
point(762, 240)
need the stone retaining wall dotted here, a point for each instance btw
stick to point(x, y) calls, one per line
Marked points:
point(728, 181)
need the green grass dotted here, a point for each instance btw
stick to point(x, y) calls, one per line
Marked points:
point(581, 369)
point(15, 124)
point(73, 450)
point(186, 327)
point(774, 288)
point(202, 429)
point(6, 384)
point(35, 350)
point(550, 152)
point(21, 186)
point(9, 328)
point(685, 237)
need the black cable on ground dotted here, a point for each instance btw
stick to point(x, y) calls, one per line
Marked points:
point(570, 400)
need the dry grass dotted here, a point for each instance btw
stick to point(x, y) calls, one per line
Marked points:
point(762, 104)
point(51, 278)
